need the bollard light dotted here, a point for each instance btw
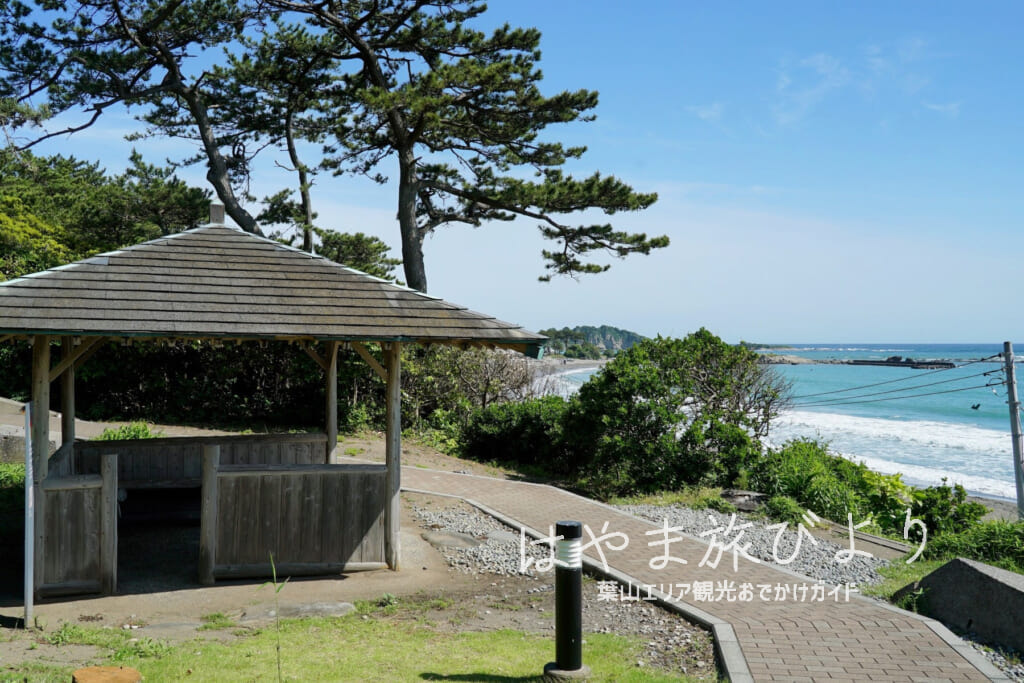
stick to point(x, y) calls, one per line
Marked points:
point(568, 664)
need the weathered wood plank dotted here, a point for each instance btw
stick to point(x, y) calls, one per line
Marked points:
point(69, 357)
point(243, 318)
point(53, 539)
point(214, 294)
point(291, 519)
point(245, 544)
point(67, 392)
point(268, 514)
point(317, 358)
point(70, 588)
point(78, 481)
point(65, 303)
point(332, 541)
point(175, 441)
point(312, 516)
point(108, 524)
point(185, 327)
point(242, 471)
point(225, 521)
point(285, 569)
point(370, 360)
point(112, 276)
point(209, 516)
point(71, 536)
point(62, 461)
point(374, 505)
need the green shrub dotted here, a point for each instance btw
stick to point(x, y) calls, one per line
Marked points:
point(784, 509)
point(996, 542)
point(668, 413)
point(525, 433)
point(832, 486)
point(945, 509)
point(828, 485)
point(132, 430)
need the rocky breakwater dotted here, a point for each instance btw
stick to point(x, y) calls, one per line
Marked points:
point(892, 362)
point(901, 362)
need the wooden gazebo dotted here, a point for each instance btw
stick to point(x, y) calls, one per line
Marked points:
point(284, 494)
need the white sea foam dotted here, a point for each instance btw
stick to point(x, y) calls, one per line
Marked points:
point(924, 451)
point(564, 383)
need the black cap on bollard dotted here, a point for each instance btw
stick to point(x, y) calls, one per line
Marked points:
point(569, 530)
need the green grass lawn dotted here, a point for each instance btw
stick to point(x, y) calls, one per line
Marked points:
point(400, 647)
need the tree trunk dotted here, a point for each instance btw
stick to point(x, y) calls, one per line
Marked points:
point(307, 202)
point(412, 241)
point(217, 173)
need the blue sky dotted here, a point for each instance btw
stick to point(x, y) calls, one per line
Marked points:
point(826, 171)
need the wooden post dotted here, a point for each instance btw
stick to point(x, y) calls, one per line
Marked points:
point(67, 395)
point(108, 524)
point(40, 441)
point(332, 403)
point(393, 454)
point(40, 405)
point(208, 523)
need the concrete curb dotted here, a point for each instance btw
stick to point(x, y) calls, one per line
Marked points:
point(727, 647)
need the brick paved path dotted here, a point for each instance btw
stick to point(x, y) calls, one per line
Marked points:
point(792, 640)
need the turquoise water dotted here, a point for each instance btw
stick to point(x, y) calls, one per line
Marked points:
point(920, 423)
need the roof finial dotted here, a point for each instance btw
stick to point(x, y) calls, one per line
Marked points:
point(216, 212)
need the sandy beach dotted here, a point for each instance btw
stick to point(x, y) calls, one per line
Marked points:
point(999, 508)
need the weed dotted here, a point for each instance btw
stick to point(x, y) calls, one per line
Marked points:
point(215, 621)
point(141, 648)
point(277, 610)
point(911, 600)
point(132, 430)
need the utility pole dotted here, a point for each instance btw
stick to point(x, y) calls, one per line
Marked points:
point(1018, 444)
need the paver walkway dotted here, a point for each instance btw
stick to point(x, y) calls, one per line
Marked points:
point(789, 639)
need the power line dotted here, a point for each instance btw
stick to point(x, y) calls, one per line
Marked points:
point(896, 398)
point(899, 379)
point(909, 388)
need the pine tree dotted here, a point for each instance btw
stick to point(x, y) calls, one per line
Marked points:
point(462, 113)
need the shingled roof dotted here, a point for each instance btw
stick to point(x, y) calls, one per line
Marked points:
point(217, 282)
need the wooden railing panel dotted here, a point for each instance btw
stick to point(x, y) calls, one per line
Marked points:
point(177, 462)
point(313, 518)
point(72, 535)
point(79, 538)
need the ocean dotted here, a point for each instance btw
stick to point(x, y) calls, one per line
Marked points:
point(926, 424)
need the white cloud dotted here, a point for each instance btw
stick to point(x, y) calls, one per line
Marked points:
point(950, 109)
point(802, 89)
point(708, 112)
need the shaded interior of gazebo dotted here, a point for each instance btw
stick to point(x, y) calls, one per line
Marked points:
point(285, 495)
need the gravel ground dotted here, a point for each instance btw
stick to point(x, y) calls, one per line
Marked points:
point(816, 560)
point(499, 553)
point(1009, 662)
